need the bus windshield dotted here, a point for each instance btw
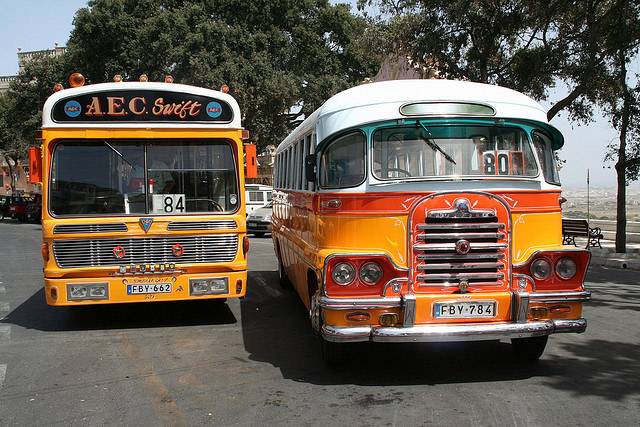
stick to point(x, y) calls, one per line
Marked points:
point(101, 177)
point(434, 151)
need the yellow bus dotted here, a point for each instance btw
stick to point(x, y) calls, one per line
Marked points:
point(427, 210)
point(143, 193)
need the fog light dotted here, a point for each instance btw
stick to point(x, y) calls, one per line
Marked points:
point(388, 319)
point(88, 291)
point(209, 286)
point(358, 316)
point(538, 312)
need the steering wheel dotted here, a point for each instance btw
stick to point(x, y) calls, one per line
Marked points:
point(406, 172)
point(217, 207)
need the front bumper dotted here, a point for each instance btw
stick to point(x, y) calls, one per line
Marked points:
point(520, 327)
point(451, 333)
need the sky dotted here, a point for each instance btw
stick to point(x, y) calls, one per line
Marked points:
point(38, 24)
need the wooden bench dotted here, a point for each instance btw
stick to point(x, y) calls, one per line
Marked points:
point(572, 228)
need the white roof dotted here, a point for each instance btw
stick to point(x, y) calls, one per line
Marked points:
point(47, 121)
point(373, 102)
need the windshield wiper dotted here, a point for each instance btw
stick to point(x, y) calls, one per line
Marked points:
point(432, 143)
point(118, 153)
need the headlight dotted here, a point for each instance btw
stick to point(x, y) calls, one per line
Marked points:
point(88, 291)
point(343, 273)
point(370, 273)
point(209, 286)
point(267, 218)
point(541, 269)
point(566, 268)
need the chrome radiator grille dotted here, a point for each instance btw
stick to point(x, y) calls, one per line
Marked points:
point(153, 250)
point(450, 249)
point(88, 228)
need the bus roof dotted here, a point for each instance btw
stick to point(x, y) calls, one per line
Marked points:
point(229, 117)
point(373, 102)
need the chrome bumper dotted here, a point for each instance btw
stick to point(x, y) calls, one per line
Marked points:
point(450, 333)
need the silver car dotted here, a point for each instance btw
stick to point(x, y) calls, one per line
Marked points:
point(259, 222)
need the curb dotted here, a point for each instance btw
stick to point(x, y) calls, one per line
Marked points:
point(621, 263)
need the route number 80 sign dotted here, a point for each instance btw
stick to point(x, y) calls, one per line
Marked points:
point(168, 203)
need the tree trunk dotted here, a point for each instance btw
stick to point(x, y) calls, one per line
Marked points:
point(12, 178)
point(621, 167)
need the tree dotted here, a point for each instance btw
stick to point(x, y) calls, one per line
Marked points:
point(274, 54)
point(21, 107)
point(526, 45)
point(623, 105)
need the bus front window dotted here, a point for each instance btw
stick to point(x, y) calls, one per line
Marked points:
point(103, 177)
point(419, 152)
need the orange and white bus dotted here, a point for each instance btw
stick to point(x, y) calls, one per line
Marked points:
point(427, 210)
point(143, 193)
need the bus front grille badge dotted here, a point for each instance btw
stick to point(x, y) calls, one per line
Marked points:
point(145, 223)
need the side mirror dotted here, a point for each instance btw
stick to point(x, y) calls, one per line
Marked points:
point(310, 167)
point(251, 161)
point(35, 165)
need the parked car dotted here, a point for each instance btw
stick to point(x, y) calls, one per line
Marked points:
point(18, 208)
point(259, 222)
point(5, 202)
point(34, 209)
point(257, 196)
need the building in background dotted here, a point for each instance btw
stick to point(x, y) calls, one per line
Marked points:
point(24, 57)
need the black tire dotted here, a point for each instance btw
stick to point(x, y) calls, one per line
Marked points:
point(333, 354)
point(529, 349)
point(258, 234)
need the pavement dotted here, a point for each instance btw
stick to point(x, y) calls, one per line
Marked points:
point(254, 362)
point(607, 256)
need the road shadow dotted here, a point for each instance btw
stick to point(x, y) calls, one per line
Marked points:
point(613, 288)
point(276, 330)
point(35, 314)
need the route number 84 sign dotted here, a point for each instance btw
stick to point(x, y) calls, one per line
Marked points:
point(168, 203)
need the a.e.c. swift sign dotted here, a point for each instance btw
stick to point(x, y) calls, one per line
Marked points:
point(141, 106)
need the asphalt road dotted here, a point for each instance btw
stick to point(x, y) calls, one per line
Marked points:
point(255, 362)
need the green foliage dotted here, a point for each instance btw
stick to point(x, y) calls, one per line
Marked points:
point(526, 45)
point(274, 54)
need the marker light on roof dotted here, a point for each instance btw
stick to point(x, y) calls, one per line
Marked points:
point(117, 78)
point(168, 79)
point(76, 80)
point(144, 78)
point(57, 87)
point(224, 88)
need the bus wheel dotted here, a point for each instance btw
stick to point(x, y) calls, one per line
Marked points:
point(332, 353)
point(529, 349)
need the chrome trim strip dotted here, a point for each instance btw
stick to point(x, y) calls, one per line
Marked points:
point(450, 256)
point(455, 332)
point(466, 236)
point(574, 296)
point(202, 225)
point(90, 228)
point(358, 303)
point(461, 226)
point(409, 316)
point(521, 308)
point(461, 266)
point(452, 246)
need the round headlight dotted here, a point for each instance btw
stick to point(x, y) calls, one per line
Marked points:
point(541, 269)
point(343, 273)
point(370, 273)
point(566, 268)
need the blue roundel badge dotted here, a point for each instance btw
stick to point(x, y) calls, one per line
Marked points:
point(214, 109)
point(72, 108)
